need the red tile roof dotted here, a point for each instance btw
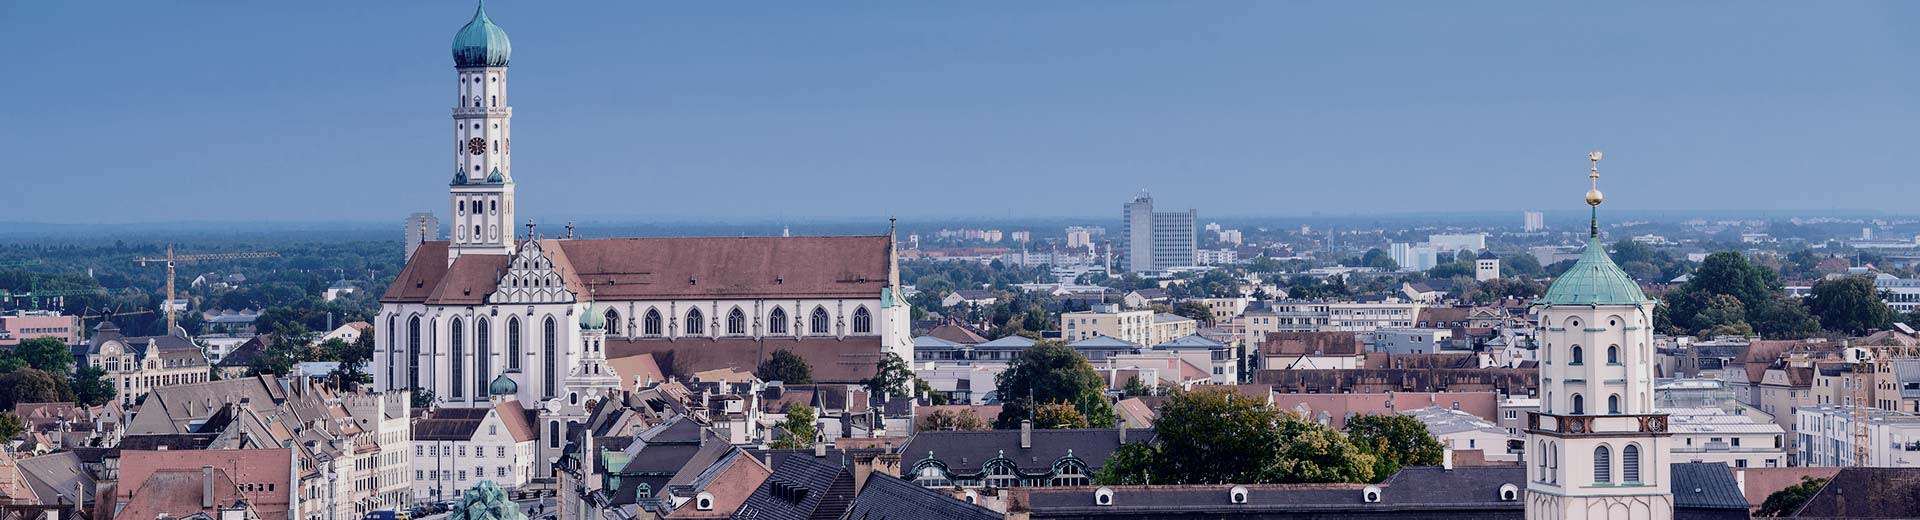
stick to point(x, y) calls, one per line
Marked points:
point(834, 360)
point(666, 268)
point(271, 470)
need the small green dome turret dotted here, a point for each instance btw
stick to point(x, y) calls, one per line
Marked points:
point(481, 43)
point(459, 176)
point(503, 385)
point(496, 177)
point(592, 319)
point(1594, 280)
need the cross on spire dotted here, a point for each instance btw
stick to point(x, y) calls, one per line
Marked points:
point(1593, 194)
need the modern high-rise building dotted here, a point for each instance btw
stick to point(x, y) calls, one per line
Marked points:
point(1451, 242)
point(1535, 221)
point(1413, 257)
point(421, 227)
point(1157, 241)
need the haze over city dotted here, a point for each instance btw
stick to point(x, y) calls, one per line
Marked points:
point(324, 111)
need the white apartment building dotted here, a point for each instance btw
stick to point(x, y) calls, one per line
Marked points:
point(1157, 241)
point(1709, 434)
point(1827, 436)
point(1460, 430)
point(1451, 242)
point(1534, 221)
point(1141, 327)
point(1413, 257)
point(1348, 316)
point(456, 448)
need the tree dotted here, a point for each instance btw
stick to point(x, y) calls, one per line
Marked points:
point(950, 420)
point(11, 426)
point(799, 427)
point(1724, 315)
point(32, 385)
point(924, 389)
point(1194, 310)
point(786, 367)
point(890, 376)
point(49, 354)
point(486, 501)
point(422, 398)
point(1521, 264)
point(1849, 304)
point(1378, 259)
point(1783, 318)
point(1058, 416)
point(1787, 501)
point(1216, 436)
point(90, 386)
point(1395, 441)
point(1135, 388)
point(1050, 372)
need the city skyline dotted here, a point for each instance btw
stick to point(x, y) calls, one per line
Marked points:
point(1143, 95)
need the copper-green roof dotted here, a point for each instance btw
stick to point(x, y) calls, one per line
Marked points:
point(481, 43)
point(592, 319)
point(1594, 280)
point(503, 386)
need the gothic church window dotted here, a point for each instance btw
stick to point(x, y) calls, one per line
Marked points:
point(736, 322)
point(821, 325)
point(696, 324)
point(777, 322)
point(651, 325)
point(862, 321)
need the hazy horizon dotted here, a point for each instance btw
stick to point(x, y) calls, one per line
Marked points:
point(338, 112)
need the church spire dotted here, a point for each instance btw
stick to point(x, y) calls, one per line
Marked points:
point(1593, 195)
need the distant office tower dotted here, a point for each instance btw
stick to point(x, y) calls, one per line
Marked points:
point(1021, 236)
point(421, 227)
point(1458, 242)
point(1535, 221)
point(1413, 257)
point(1079, 238)
point(1157, 241)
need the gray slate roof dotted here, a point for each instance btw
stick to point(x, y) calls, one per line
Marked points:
point(888, 498)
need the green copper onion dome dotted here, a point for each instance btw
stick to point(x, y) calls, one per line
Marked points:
point(503, 386)
point(1594, 280)
point(592, 319)
point(481, 43)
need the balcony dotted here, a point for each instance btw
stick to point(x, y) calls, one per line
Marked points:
point(1581, 425)
point(482, 112)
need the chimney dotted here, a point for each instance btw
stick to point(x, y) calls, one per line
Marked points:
point(1026, 434)
point(1123, 431)
point(1446, 458)
point(206, 487)
point(819, 448)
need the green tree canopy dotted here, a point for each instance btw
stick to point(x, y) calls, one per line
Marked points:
point(1378, 259)
point(32, 385)
point(91, 387)
point(799, 427)
point(951, 420)
point(49, 354)
point(1784, 318)
point(786, 367)
point(1050, 372)
point(1058, 416)
point(1395, 441)
point(1216, 436)
point(11, 426)
point(1787, 501)
point(1849, 304)
point(891, 375)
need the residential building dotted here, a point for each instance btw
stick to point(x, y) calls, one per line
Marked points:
point(1080, 239)
point(1710, 434)
point(1225, 309)
point(1453, 242)
point(243, 483)
point(1140, 327)
point(1409, 341)
point(456, 448)
point(1314, 350)
point(1462, 431)
point(1215, 357)
point(1003, 459)
point(1156, 241)
point(1827, 435)
point(1413, 257)
point(1533, 221)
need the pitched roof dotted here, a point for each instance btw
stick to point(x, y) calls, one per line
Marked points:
point(1102, 341)
point(1701, 485)
point(518, 420)
point(957, 333)
point(636, 369)
point(1194, 341)
point(730, 481)
point(1310, 343)
point(273, 465)
point(1418, 492)
point(53, 477)
point(1866, 493)
point(801, 488)
point(1763, 482)
point(834, 360)
point(1009, 343)
point(666, 268)
point(967, 451)
point(449, 424)
point(886, 497)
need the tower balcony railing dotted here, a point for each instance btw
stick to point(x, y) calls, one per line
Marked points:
point(1598, 425)
point(483, 111)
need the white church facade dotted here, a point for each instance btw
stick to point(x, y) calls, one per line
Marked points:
point(546, 313)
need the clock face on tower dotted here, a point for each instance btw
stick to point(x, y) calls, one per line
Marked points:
point(476, 146)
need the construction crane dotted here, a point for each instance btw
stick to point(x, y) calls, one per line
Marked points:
point(35, 295)
point(1868, 362)
point(172, 259)
point(105, 315)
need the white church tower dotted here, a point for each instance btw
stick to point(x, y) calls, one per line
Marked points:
point(1597, 448)
point(482, 186)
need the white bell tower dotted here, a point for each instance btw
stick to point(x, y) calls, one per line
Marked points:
point(482, 188)
point(1597, 448)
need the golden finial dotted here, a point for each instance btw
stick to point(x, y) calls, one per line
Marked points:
point(1593, 195)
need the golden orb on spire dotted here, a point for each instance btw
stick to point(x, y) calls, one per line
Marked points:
point(1593, 194)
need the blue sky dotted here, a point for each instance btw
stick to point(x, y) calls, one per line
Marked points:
point(316, 111)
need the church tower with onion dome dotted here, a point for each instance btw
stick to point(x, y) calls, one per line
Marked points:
point(482, 185)
point(1597, 448)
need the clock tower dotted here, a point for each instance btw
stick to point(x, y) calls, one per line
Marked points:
point(1597, 448)
point(482, 185)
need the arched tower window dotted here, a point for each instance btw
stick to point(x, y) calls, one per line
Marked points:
point(736, 322)
point(696, 322)
point(550, 352)
point(1613, 404)
point(862, 321)
point(456, 359)
point(1579, 405)
point(1579, 356)
point(413, 353)
point(1613, 354)
point(820, 323)
point(613, 322)
point(1602, 465)
point(393, 352)
point(651, 323)
point(1630, 463)
point(513, 343)
point(482, 356)
point(777, 322)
